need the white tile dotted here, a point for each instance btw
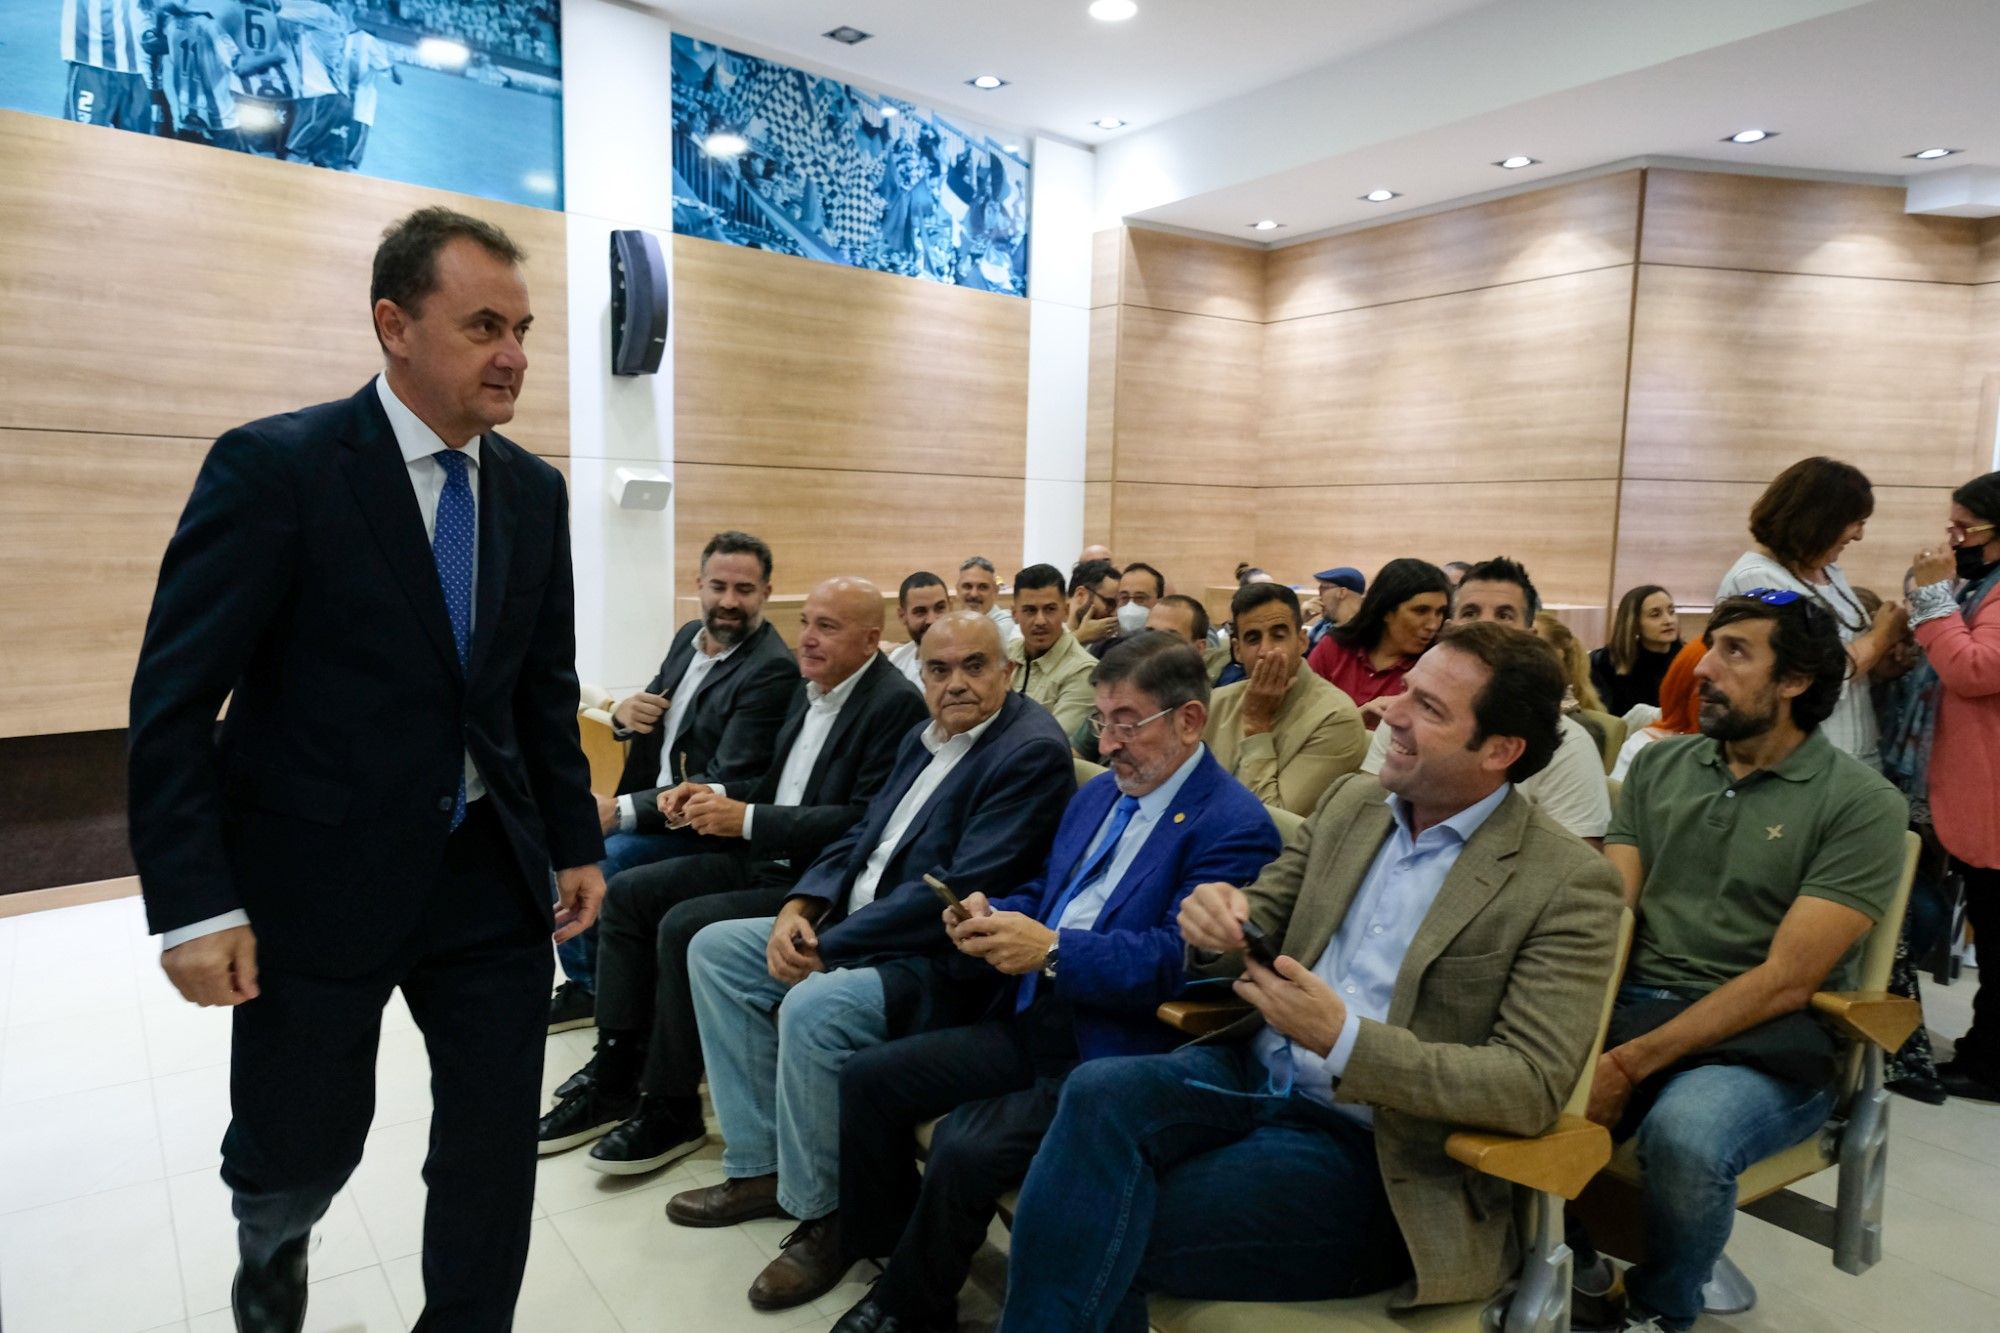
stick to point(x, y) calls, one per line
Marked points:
point(555, 1291)
point(388, 1187)
point(81, 1143)
point(74, 932)
point(63, 1055)
point(205, 1235)
point(396, 1014)
point(103, 1263)
point(357, 1302)
point(51, 984)
point(1894, 1295)
point(1942, 1239)
point(182, 1036)
point(1946, 1177)
point(194, 1112)
point(402, 1079)
point(1970, 1128)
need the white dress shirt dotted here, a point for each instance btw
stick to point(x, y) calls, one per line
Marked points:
point(1363, 957)
point(1084, 909)
point(681, 695)
point(945, 755)
point(822, 710)
point(418, 443)
point(904, 658)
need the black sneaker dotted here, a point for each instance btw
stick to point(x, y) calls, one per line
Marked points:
point(571, 1007)
point(577, 1082)
point(651, 1138)
point(586, 1116)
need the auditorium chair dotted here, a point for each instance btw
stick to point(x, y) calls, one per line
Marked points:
point(1610, 733)
point(604, 750)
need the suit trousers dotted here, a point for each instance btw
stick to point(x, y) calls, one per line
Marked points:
point(996, 1084)
point(302, 1083)
point(622, 852)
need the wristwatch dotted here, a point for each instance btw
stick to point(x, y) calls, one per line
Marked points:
point(1049, 960)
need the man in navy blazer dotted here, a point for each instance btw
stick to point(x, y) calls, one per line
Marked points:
point(380, 588)
point(1090, 949)
point(856, 953)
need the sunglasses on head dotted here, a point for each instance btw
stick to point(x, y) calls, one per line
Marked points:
point(1774, 596)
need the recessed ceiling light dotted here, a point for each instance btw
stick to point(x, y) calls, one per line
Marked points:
point(1381, 196)
point(987, 82)
point(1751, 136)
point(1266, 225)
point(1112, 11)
point(725, 145)
point(847, 36)
point(1933, 154)
point(1516, 162)
point(1109, 123)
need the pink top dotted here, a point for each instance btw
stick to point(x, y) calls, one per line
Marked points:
point(1965, 756)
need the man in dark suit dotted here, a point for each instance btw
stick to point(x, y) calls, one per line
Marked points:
point(856, 954)
point(1091, 949)
point(711, 714)
point(848, 717)
point(380, 588)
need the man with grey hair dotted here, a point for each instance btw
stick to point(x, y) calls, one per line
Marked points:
point(979, 590)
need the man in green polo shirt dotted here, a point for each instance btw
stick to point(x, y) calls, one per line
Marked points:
point(1757, 857)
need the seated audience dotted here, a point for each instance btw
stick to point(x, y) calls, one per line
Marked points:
point(1311, 1134)
point(1645, 637)
point(1091, 947)
point(979, 590)
point(1139, 586)
point(1095, 551)
point(1093, 600)
point(710, 714)
point(1282, 732)
point(1679, 697)
point(1176, 614)
point(1579, 695)
point(1454, 571)
point(1397, 619)
point(1050, 666)
point(856, 955)
point(1758, 856)
point(1249, 573)
point(919, 602)
point(1340, 590)
point(847, 718)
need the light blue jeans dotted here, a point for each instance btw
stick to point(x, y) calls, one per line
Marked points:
point(774, 1055)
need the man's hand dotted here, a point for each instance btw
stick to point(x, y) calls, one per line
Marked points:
point(1374, 710)
point(792, 953)
point(641, 712)
point(215, 969)
point(607, 814)
point(1212, 918)
point(975, 905)
point(673, 801)
point(1610, 1089)
point(1295, 1002)
point(579, 895)
point(713, 814)
point(1090, 631)
point(1013, 942)
point(1269, 677)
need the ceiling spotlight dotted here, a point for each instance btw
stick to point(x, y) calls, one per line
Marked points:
point(1266, 225)
point(1112, 11)
point(1109, 123)
point(1381, 196)
point(1516, 162)
point(847, 36)
point(1933, 154)
point(1751, 136)
point(988, 82)
point(725, 145)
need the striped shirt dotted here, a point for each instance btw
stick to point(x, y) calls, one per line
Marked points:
point(104, 33)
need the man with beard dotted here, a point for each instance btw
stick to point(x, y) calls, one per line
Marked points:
point(1758, 857)
point(921, 600)
point(711, 715)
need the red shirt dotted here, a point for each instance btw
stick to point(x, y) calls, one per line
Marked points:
point(1350, 669)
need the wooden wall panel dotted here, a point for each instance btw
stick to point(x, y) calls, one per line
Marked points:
point(1989, 251)
point(153, 287)
point(1097, 515)
point(1195, 535)
point(1737, 375)
point(790, 363)
point(1684, 535)
point(1715, 220)
point(1166, 271)
point(1564, 229)
point(1101, 410)
point(1525, 380)
point(1107, 253)
point(1562, 530)
point(1187, 403)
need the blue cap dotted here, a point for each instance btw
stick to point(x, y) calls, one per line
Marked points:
point(1345, 575)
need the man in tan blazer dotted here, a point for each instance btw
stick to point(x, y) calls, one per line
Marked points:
point(1443, 960)
point(1284, 732)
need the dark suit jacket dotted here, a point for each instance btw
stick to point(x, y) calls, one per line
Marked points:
point(731, 728)
point(301, 587)
point(1116, 973)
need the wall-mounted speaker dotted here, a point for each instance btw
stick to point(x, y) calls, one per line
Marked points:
point(638, 303)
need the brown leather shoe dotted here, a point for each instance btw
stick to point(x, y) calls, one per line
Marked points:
point(727, 1204)
point(808, 1266)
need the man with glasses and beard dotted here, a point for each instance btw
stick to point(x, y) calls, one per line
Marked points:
point(711, 715)
point(1758, 856)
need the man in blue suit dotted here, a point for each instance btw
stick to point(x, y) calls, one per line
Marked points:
point(856, 954)
point(1090, 949)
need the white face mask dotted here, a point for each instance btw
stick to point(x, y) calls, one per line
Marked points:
point(1132, 618)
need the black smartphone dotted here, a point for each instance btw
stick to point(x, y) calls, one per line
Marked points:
point(1258, 944)
point(946, 896)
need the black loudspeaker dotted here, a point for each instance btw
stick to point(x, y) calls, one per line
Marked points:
point(638, 303)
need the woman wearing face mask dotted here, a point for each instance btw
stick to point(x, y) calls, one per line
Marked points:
point(1812, 512)
point(1957, 622)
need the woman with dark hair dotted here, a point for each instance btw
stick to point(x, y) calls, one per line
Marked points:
point(1400, 614)
point(1645, 637)
point(1952, 735)
point(1810, 513)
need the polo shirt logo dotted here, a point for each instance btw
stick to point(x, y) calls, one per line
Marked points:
point(1774, 832)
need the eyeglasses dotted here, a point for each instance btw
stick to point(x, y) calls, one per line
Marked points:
point(1122, 731)
point(1959, 533)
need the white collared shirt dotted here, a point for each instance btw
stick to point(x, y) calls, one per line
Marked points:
point(1084, 909)
point(681, 695)
point(904, 658)
point(945, 754)
point(822, 710)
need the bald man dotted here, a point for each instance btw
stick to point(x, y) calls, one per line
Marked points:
point(745, 844)
point(1095, 553)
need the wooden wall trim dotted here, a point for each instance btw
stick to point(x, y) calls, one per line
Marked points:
point(68, 895)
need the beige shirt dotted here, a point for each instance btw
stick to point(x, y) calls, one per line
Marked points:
point(1316, 737)
point(1058, 680)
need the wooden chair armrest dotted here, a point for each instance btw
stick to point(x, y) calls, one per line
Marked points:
point(1198, 1018)
point(598, 715)
point(1870, 1015)
point(1561, 1161)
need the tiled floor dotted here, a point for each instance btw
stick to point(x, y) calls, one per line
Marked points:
point(113, 1098)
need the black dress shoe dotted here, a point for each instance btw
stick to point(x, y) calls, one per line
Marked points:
point(588, 1115)
point(577, 1082)
point(1926, 1090)
point(271, 1298)
point(571, 1007)
point(1960, 1081)
point(870, 1317)
point(652, 1137)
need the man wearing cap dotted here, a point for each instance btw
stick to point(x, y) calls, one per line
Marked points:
point(1340, 590)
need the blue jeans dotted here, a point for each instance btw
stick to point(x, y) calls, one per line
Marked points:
point(774, 1054)
point(1147, 1183)
point(622, 851)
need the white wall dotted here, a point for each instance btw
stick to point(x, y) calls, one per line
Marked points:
point(1059, 234)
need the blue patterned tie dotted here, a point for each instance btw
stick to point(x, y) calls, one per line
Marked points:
point(452, 546)
point(1093, 866)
